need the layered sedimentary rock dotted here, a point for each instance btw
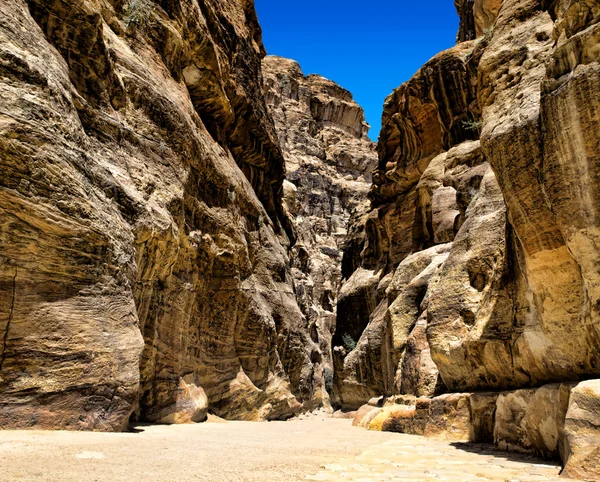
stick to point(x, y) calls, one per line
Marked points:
point(546, 163)
point(512, 307)
point(329, 160)
point(144, 261)
point(477, 17)
point(433, 197)
point(514, 303)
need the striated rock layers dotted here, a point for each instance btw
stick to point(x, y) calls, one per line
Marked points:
point(144, 242)
point(329, 160)
point(478, 269)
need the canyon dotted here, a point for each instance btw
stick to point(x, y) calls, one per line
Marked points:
point(189, 226)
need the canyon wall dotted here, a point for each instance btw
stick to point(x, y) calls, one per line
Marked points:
point(475, 297)
point(144, 260)
point(329, 160)
point(156, 264)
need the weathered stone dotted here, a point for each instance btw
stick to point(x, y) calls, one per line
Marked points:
point(141, 209)
point(191, 405)
point(410, 419)
point(449, 418)
point(515, 304)
point(554, 332)
point(581, 456)
point(344, 414)
point(418, 374)
point(469, 304)
point(445, 417)
point(477, 17)
point(424, 117)
point(366, 371)
point(364, 415)
point(532, 420)
point(483, 413)
point(329, 160)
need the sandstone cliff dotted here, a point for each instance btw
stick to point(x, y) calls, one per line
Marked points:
point(144, 262)
point(329, 160)
point(154, 261)
point(479, 264)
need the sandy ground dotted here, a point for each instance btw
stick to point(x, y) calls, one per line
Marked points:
point(317, 448)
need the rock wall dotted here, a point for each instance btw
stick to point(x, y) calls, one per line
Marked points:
point(478, 267)
point(156, 263)
point(431, 186)
point(144, 264)
point(329, 160)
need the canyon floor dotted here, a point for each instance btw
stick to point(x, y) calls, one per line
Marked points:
point(315, 448)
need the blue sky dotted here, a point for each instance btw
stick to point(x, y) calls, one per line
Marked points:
point(368, 47)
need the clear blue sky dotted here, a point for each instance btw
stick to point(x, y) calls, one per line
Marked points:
point(369, 47)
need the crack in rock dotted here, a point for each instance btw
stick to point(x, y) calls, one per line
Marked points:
point(10, 315)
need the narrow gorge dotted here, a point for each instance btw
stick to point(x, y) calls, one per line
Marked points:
point(189, 226)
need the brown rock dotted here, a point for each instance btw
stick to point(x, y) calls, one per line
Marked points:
point(329, 160)
point(445, 417)
point(191, 405)
point(364, 416)
point(366, 371)
point(411, 419)
point(556, 291)
point(418, 374)
point(532, 421)
point(449, 418)
point(344, 414)
point(469, 299)
point(516, 302)
point(477, 17)
point(483, 414)
point(424, 117)
point(140, 187)
point(581, 455)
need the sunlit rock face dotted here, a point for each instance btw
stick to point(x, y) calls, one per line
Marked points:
point(329, 160)
point(515, 301)
point(541, 142)
point(484, 234)
point(437, 215)
point(144, 264)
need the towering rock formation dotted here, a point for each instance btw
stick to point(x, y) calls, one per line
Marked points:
point(479, 268)
point(329, 160)
point(144, 243)
point(155, 262)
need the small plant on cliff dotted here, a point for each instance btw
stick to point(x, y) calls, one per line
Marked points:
point(472, 125)
point(138, 13)
point(349, 342)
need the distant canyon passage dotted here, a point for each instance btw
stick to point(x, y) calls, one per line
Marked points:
point(189, 226)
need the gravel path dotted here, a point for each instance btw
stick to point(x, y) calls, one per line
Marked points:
point(316, 448)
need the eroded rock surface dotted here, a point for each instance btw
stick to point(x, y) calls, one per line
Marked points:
point(329, 160)
point(141, 216)
point(514, 302)
point(581, 429)
point(489, 153)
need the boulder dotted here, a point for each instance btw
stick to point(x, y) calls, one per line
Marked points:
point(581, 456)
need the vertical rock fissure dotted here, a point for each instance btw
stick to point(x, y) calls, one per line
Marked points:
point(9, 321)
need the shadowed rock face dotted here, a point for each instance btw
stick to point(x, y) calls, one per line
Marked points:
point(329, 160)
point(144, 242)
